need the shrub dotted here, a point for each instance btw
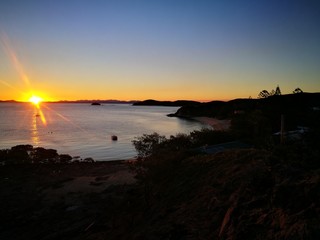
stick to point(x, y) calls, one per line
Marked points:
point(146, 144)
point(253, 126)
point(26, 154)
point(209, 136)
point(42, 155)
point(17, 157)
point(65, 158)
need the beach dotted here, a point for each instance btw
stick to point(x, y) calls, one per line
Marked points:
point(217, 124)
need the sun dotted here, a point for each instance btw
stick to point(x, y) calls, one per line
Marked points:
point(35, 99)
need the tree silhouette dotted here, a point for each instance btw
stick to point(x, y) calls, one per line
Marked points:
point(278, 91)
point(297, 90)
point(264, 94)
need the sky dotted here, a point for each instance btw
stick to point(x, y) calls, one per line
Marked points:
point(150, 49)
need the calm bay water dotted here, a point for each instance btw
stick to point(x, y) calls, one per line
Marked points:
point(83, 130)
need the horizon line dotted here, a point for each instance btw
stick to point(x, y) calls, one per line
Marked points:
point(134, 101)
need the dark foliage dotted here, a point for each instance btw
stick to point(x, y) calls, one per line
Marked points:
point(27, 154)
point(237, 194)
point(158, 154)
point(147, 144)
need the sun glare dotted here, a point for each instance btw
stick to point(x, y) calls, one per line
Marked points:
point(35, 100)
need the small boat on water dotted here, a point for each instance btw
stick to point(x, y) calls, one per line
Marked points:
point(114, 138)
point(95, 104)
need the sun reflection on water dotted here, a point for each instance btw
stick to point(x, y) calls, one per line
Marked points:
point(35, 133)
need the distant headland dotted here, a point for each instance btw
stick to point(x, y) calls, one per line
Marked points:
point(178, 103)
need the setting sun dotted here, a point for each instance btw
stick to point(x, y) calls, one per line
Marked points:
point(35, 99)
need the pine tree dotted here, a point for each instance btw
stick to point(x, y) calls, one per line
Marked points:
point(278, 91)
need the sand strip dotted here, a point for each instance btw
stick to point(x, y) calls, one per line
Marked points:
point(217, 124)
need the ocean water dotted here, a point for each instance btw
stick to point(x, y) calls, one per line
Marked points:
point(83, 130)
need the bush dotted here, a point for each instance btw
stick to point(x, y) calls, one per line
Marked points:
point(17, 157)
point(26, 154)
point(253, 126)
point(42, 155)
point(147, 144)
point(158, 155)
point(208, 136)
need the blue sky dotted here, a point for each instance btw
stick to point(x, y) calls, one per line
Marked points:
point(166, 50)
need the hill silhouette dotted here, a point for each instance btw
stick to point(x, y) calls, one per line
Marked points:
point(278, 103)
point(178, 103)
point(295, 107)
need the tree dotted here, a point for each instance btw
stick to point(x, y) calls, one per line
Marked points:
point(264, 94)
point(147, 144)
point(297, 90)
point(278, 91)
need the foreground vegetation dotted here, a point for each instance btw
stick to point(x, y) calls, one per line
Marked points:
point(270, 191)
point(27, 154)
point(266, 192)
point(236, 194)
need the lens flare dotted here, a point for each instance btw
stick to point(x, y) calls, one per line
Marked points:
point(9, 50)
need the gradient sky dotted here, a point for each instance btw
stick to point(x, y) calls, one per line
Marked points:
point(165, 50)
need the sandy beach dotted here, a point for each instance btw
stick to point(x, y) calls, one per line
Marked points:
point(217, 124)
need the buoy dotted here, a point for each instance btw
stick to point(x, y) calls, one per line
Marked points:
point(114, 138)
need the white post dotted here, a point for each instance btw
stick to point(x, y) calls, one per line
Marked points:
point(282, 133)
